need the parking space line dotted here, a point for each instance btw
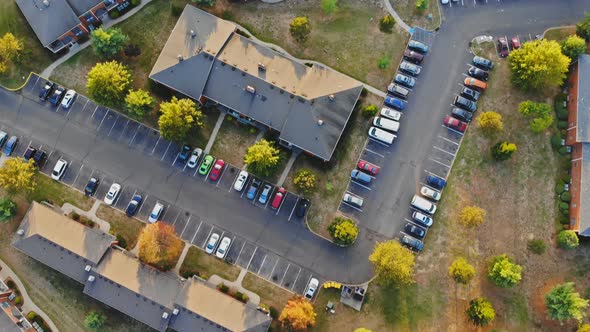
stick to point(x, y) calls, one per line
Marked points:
point(76, 178)
point(273, 268)
point(36, 81)
point(361, 185)
point(282, 202)
point(254, 253)
point(125, 127)
point(248, 182)
point(293, 210)
point(263, 260)
point(445, 151)
point(431, 173)
point(269, 198)
point(448, 140)
point(173, 162)
point(379, 154)
point(136, 131)
point(113, 126)
point(165, 211)
point(196, 170)
point(378, 142)
point(178, 215)
point(194, 236)
point(154, 149)
point(142, 205)
point(352, 206)
point(101, 121)
point(308, 280)
point(69, 109)
point(118, 196)
point(284, 274)
point(207, 238)
point(164, 155)
point(240, 253)
point(297, 277)
point(234, 181)
point(453, 130)
point(221, 176)
point(30, 142)
point(97, 106)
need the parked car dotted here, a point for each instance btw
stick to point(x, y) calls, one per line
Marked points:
point(241, 181)
point(478, 73)
point(253, 189)
point(223, 247)
point(311, 288)
point(184, 153)
point(91, 186)
point(59, 169)
point(483, 63)
point(398, 90)
point(474, 83)
point(133, 205)
point(265, 193)
point(112, 194)
point(156, 212)
point(39, 157)
point(405, 80)
point(461, 114)
point(430, 193)
point(422, 219)
point(465, 103)
point(29, 153)
point(352, 199)
point(381, 135)
point(455, 124)
point(57, 95)
point(410, 68)
point(206, 164)
point(46, 90)
point(412, 243)
point(10, 145)
point(413, 56)
point(217, 170)
point(415, 231)
point(3, 138)
point(278, 198)
point(418, 46)
point(390, 114)
point(394, 102)
point(470, 93)
point(193, 160)
point(68, 99)
point(423, 205)
point(435, 182)
point(367, 167)
point(359, 176)
point(503, 47)
point(386, 124)
point(302, 206)
point(515, 43)
point(212, 243)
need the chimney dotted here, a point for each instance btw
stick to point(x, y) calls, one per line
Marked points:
point(20, 232)
point(320, 122)
point(331, 97)
point(175, 312)
point(250, 89)
point(261, 66)
point(46, 3)
point(91, 278)
point(165, 315)
point(180, 57)
point(87, 268)
point(193, 34)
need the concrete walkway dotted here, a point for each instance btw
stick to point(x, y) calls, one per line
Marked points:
point(288, 167)
point(237, 285)
point(90, 214)
point(187, 246)
point(214, 132)
point(397, 18)
point(28, 304)
point(78, 47)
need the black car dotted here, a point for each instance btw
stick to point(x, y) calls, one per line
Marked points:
point(184, 153)
point(462, 115)
point(39, 157)
point(483, 63)
point(415, 231)
point(46, 90)
point(302, 207)
point(57, 95)
point(470, 93)
point(478, 73)
point(29, 153)
point(412, 243)
point(465, 104)
point(133, 205)
point(91, 186)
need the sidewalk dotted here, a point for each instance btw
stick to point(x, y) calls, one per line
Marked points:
point(237, 285)
point(90, 214)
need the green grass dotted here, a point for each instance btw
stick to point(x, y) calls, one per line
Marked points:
point(58, 194)
point(199, 263)
point(517, 309)
point(121, 225)
point(234, 139)
point(406, 9)
point(559, 34)
point(270, 294)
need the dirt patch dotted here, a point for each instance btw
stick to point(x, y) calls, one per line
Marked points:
point(126, 229)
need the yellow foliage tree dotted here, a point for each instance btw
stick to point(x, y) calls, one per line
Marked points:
point(138, 102)
point(10, 49)
point(17, 175)
point(159, 246)
point(305, 180)
point(393, 263)
point(538, 64)
point(490, 122)
point(300, 28)
point(343, 231)
point(362, 329)
point(298, 314)
point(461, 271)
point(179, 117)
point(584, 328)
point(472, 216)
point(108, 82)
point(262, 157)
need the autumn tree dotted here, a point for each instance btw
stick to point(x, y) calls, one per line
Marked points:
point(362, 329)
point(567, 239)
point(370, 110)
point(17, 175)
point(10, 50)
point(139, 102)
point(300, 28)
point(329, 6)
point(344, 231)
point(490, 122)
point(461, 271)
point(541, 114)
point(94, 320)
point(159, 246)
point(573, 46)
point(503, 150)
point(564, 303)
point(7, 209)
point(472, 216)
point(393, 263)
point(179, 117)
point(108, 43)
point(108, 82)
point(386, 24)
point(538, 64)
point(583, 28)
point(480, 312)
point(504, 272)
point(584, 328)
point(262, 157)
point(305, 180)
point(297, 315)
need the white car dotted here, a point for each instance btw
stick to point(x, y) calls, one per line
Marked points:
point(381, 135)
point(444, 2)
point(223, 247)
point(68, 99)
point(212, 243)
point(194, 159)
point(241, 181)
point(311, 288)
point(386, 124)
point(352, 199)
point(112, 194)
point(422, 219)
point(156, 212)
point(394, 115)
point(59, 169)
point(430, 193)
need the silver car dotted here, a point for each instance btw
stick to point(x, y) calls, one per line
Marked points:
point(352, 199)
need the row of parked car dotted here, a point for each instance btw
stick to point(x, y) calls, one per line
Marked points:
point(57, 95)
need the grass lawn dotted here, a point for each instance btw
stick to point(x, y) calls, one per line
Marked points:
point(560, 33)
point(199, 263)
point(233, 139)
point(121, 225)
point(418, 18)
point(271, 295)
point(58, 194)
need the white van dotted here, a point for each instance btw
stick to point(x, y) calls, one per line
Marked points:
point(386, 124)
point(423, 204)
point(381, 135)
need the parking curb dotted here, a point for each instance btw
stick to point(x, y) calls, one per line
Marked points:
point(23, 85)
point(558, 27)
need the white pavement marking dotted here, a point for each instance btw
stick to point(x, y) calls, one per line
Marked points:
point(136, 131)
point(164, 155)
point(36, 81)
point(104, 117)
point(196, 170)
point(273, 268)
point(293, 210)
point(154, 149)
point(187, 222)
point(379, 154)
point(118, 196)
point(69, 109)
point(445, 151)
point(282, 202)
point(254, 253)
point(352, 206)
point(207, 238)
point(194, 236)
point(448, 140)
point(96, 108)
point(142, 205)
point(263, 260)
point(76, 178)
point(125, 127)
point(296, 278)
point(284, 274)
point(360, 185)
point(453, 130)
point(174, 162)
point(308, 280)
point(113, 126)
point(178, 215)
point(165, 211)
point(221, 176)
point(235, 179)
point(431, 173)
point(240, 253)
point(378, 142)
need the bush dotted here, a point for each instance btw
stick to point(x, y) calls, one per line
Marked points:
point(383, 62)
point(566, 178)
point(274, 313)
point(176, 9)
point(564, 220)
point(563, 150)
point(562, 115)
point(386, 24)
point(563, 206)
point(132, 50)
point(472, 216)
point(503, 272)
point(114, 14)
point(370, 111)
point(7, 209)
point(559, 187)
point(562, 124)
point(300, 28)
point(18, 300)
point(422, 4)
point(343, 231)
point(207, 3)
point(556, 141)
point(567, 239)
point(537, 246)
point(305, 180)
point(75, 216)
point(241, 297)
point(223, 288)
point(94, 320)
point(503, 150)
point(566, 196)
point(135, 2)
point(31, 315)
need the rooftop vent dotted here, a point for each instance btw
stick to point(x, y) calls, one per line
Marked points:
point(193, 34)
point(87, 268)
point(46, 3)
point(165, 315)
point(20, 232)
point(261, 66)
point(180, 57)
point(91, 278)
point(175, 312)
point(331, 97)
point(250, 89)
point(320, 122)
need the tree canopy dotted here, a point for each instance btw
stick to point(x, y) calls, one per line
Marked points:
point(108, 43)
point(480, 312)
point(344, 231)
point(386, 24)
point(583, 28)
point(17, 175)
point(179, 117)
point(573, 46)
point(563, 303)
point(108, 82)
point(504, 272)
point(159, 246)
point(300, 28)
point(139, 102)
point(10, 50)
point(461, 271)
point(567, 239)
point(472, 216)
point(540, 113)
point(503, 150)
point(305, 180)
point(262, 157)
point(490, 122)
point(393, 263)
point(297, 315)
point(94, 320)
point(329, 6)
point(7, 209)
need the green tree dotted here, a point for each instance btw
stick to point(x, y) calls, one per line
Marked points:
point(490, 122)
point(472, 216)
point(179, 117)
point(94, 320)
point(567, 239)
point(503, 150)
point(461, 271)
point(370, 110)
point(480, 312)
point(538, 64)
point(305, 180)
point(138, 102)
point(504, 272)
point(300, 28)
point(343, 231)
point(262, 157)
point(329, 6)
point(564, 303)
point(17, 175)
point(7, 209)
point(108, 43)
point(386, 24)
point(393, 263)
point(108, 82)
point(540, 113)
point(583, 28)
point(10, 50)
point(573, 46)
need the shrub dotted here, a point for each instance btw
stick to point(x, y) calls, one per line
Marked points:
point(208, 3)
point(31, 315)
point(490, 122)
point(503, 272)
point(556, 141)
point(566, 196)
point(566, 178)
point(223, 288)
point(562, 124)
point(370, 111)
point(94, 320)
point(540, 113)
point(383, 62)
point(562, 115)
point(386, 24)
point(461, 271)
point(114, 14)
point(274, 313)
point(503, 150)
point(75, 216)
point(563, 150)
point(132, 50)
point(564, 220)
point(241, 297)
point(343, 231)
point(563, 206)
point(567, 239)
point(175, 9)
point(329, 6)
point(472, 216)
point(537, 246)
point(18, 300)
point(7, 209)
point(305, 180)
point(300, 28)
point(422, 5)
point(480, 312)
point(135, 2)
point(122, 241)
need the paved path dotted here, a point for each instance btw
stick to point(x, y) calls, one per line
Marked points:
point(393, 13)
point(187, 246)
point(214, 132)
point(28, 304)
point(237, 285)
point(287, 168)
point(90, 214)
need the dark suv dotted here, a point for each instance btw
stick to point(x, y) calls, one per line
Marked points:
point(39, 157)
point(461, 114)
point(478, 73)
point(415, 231)
point(435, 182)
point(413, 56)
point(470, 94)
point(465, 103)
point(46, 90)
point(57, 95)
point(29, 153)
point(185, 152)
point(412, 243)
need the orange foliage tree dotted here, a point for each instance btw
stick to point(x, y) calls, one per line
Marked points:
point(159, 246)
point(298, 314)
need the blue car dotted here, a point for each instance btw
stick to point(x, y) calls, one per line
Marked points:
point(10, 145)
point(360, 176)
point(265, 193)
point(395, 103)
point(253, 189)
point(133, 205)
point(435, 182)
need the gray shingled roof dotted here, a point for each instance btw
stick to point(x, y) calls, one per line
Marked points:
point(82, 6)
point(585, 191)
point(48, 22)
point(583, 121)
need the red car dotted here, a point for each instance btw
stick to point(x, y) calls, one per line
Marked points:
point(367, 167)
point(455, 124)
point(276, 201)
point(515, 43)
point(217, 169)
point(503, 47)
